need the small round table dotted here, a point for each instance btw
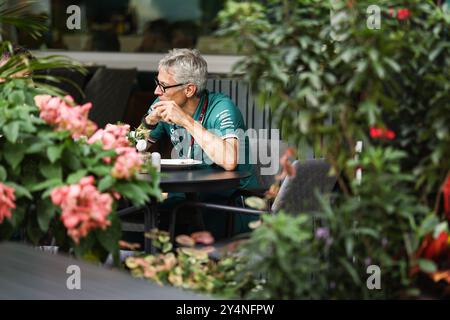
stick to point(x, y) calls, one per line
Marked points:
point(191, 182)
point(200, 180)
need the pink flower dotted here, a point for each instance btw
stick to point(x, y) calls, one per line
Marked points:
point(7, 199)
point(203, 237)
point(287, 169)
point(42, 100)
point(391, 12)
point(116, 195)
point(127, 164)
point(403, 14)
point(84, 208)
point(49, 108)
point(112, 137)
point(63, 116)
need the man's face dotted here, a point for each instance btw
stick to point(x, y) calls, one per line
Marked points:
point(177, 94)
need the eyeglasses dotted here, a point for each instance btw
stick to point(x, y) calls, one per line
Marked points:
point(164, 88)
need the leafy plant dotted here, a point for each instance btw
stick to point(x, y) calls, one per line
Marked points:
point(280, 253)
point(60, 178)
point(331, 81)
point(191, 268)
point(38, 158)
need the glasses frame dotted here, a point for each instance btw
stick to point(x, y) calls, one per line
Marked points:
point(164, 88)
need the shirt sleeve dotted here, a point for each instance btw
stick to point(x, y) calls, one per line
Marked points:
point(227, 121)
point(156, 133)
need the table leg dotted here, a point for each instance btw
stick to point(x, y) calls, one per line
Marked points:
point(197, 216)
point(198, 219)
point(150, 216)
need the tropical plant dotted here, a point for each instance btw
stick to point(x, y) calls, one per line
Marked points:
point(20, 65)
point(332, 77)
point(60, 177)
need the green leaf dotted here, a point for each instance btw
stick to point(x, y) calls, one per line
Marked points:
point(11, 131)
point(379, 69)
point(132, 192)
point(33, 231)
point(100, 170)
point(371, 110)
point(166, 247)
point(351, 270)
point(37, 146)
point(393, 64)
point(47, 184)
point(427, 265)
point(51, 171)
point(14, 155)
point(45, 213)
point(367, 231)
point(105, 183)
point(70, 158)
point(20, 191)
point(256, 203)
point(18, 216)
point(151, 189)
point(428, 224)
point(109, 238)
point(85, 246)
point(17, 97)
point(54, 152)
point(76, 176)
point(47, 193)
point(3, 174)
point(441, 227)
point(349, 244)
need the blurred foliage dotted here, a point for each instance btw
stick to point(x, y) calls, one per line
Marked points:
point(189, 267)
point(329, 77)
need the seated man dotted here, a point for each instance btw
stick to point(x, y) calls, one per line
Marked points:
point(201, 125)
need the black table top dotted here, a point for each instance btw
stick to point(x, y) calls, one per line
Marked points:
point(200, 180)
point(29, 273)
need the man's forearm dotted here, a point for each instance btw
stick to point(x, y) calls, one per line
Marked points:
point(220, 151)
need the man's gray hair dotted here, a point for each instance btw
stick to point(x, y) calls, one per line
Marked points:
point(187, 66)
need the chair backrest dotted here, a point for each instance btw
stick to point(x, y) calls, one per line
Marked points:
point(76, 78)
point(239, 91)
point(297, 194)
point(109, 91)
point(265, 155)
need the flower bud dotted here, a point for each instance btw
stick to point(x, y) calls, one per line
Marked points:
point(141, 145)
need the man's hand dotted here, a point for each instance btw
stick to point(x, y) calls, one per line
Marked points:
point(153, 117)
point(170, 112)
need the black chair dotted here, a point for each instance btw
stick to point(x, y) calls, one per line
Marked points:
point(264, 154)
point(296, 195)
point(109, 91)
point(70, 81)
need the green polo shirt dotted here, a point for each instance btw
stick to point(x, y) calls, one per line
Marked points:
point(224, 119)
